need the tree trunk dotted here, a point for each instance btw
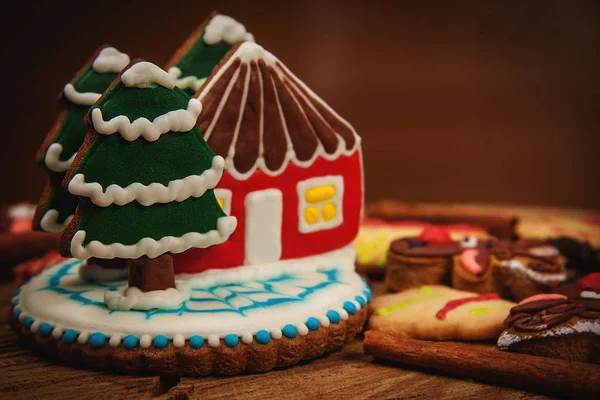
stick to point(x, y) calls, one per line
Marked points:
point(149, 274)
point(114, 263)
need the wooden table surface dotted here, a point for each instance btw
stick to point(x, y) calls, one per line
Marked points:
point(347, 373)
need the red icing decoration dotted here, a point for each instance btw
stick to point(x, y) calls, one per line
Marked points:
point(452, 304)
point(21, 225)
point(469, 262)
point(435, 234)
point(543, 296)
point(591, 281)
point(294, 244)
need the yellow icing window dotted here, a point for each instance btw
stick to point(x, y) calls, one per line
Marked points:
point(224, 199)
point(221, 202)
point(320, 202)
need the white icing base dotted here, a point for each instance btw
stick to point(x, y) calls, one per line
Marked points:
point(189, 81)
point(534, 275)
point(132, 298)
point(64, 312)
point(110, 60)
point(223, 28)
point(96, 273)
point(82, 99)
point(507, 339)
point(52, 158)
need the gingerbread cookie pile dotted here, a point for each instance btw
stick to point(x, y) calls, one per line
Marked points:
point(515, 270)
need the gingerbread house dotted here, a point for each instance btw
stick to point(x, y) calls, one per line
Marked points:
point(293, 166)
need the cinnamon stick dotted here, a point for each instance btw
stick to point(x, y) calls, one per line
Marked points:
point(538, 374)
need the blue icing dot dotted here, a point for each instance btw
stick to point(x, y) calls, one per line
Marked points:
point(196, 341)
point(231, 340)
point(350, 307)
point(361, 300)
point(313, 323)
point(97, 340)
point(28, 322)
point(17, 314)
point(130, 342)
point(333, 316)
point(16, 293)
point(14, 303)
point(45, 329)
point(367, 294)
point(160, 341)
point(289, 331)
point(69, 336)
point(263, 337)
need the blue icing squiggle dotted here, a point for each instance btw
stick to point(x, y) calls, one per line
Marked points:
point(239, 298)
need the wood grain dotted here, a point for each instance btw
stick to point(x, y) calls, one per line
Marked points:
point(348, 373)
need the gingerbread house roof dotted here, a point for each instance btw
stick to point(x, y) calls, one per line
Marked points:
point(258, 115)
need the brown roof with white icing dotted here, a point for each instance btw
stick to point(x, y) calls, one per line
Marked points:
point(258, 115)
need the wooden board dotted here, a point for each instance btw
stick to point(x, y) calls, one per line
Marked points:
point(347, 373)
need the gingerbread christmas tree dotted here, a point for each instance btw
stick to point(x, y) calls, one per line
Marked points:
point(145, 177)
point(57, 206)
point(193, 62)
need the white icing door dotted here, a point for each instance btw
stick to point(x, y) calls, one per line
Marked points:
point(264, 214)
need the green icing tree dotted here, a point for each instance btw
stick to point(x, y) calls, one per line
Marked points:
point(57, 205)
point(145, 176)
point(194, 61)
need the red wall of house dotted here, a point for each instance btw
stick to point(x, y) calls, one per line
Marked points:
point(294, 243)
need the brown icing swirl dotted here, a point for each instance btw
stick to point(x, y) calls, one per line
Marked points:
point(417, 248)
point(545, 266)
point(540, 315)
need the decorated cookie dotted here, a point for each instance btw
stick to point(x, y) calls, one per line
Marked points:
point(235, 211)
point(57, 206)
point(526, 268)
point(552, 326)
point(293, 167)
point(194, 61)
point(422, 260)
point(440, 313)
point(144, 167)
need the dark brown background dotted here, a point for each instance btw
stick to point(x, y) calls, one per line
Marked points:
point(483, 101)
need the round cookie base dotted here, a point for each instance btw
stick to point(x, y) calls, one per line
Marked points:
point(204, 361)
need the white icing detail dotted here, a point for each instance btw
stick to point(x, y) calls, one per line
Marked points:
point(343, 259)
point(49, 221)
point(96, 273)
point(59, 310)
point(114, 341)
point(179, 341)
point(213, 341)
point(356, 304)
point(225, 196)
point(110, 60)
point(246, 53)
point(590, 294)
point(174, 121)
point(276, 334)
point(469, 242)
point(151, 247)
point(82, 99)
point(132, 298)
point(187, 82)
point(534, 275)
point(324, 321)
point(57, 333)
point(83, 337)
point(337, 181)
point(144, 74)
point(343, 314)
point(223, 28)
point(177, 190)
point(545, 251)
point(52, 158)
point(507, 339)
point(247, 338)
point(22, 317)
point(302, 329)
point(264, 219)
point(21, 211)
point(35, 326)
point(145, 341)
